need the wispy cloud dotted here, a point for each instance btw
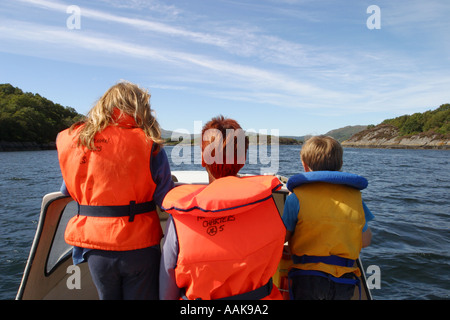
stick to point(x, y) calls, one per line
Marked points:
point(241, 41)
point(134, 22)
point(258, 79)
point(417, 14)
point(155, 6)
point(246, 62)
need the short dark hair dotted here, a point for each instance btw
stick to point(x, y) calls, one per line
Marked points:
point(219, 135)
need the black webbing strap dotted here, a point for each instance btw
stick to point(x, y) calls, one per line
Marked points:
point(256, 294)
point(130, 210)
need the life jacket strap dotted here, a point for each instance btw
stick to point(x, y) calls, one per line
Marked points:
point(256, 294)
point(332, 260)
point(129, 210)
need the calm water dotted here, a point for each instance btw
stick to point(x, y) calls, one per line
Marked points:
point(408, 193)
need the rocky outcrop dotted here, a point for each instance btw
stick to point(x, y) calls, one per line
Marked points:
point(387, 136)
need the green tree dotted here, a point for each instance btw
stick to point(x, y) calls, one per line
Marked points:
point(433, 120)
point(413, 124)
point(28, 117)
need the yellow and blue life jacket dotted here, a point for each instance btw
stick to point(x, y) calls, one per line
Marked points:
point(328, 236)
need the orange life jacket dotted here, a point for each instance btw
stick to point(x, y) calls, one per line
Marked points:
point(230, 237)
point(113, 187)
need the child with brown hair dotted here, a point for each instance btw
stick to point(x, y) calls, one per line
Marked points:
point(326, 222)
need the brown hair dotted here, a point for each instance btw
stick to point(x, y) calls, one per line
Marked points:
point(322, 153)
point(129, 99)
point(224, 147)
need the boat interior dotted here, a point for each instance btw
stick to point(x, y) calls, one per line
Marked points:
point(49, 272)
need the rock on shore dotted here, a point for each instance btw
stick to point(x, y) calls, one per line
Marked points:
point(387, 136)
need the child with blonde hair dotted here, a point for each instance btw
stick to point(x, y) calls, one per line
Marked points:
point(115, 168)
point(326, 223)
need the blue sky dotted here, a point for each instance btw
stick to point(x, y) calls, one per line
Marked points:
point(297, 66)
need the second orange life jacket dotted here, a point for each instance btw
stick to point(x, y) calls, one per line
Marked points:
point(230, 237)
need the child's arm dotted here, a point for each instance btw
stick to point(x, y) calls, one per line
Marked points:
point(288, 236)
point(366, 238)
point(290, 215)
point(367, 234)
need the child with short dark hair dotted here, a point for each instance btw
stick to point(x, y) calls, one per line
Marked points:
point(236, 258)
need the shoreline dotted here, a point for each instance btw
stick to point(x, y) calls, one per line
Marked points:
point(7, 146)
point(387, 137)
point(414, 142)
point(377, 146)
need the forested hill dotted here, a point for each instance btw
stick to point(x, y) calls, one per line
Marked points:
point(430, 129)
point(28, 117)
point(437, 121)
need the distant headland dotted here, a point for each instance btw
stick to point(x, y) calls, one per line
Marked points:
point(427, 130)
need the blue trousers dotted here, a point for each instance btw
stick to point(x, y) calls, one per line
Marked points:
point(126, 275)
point(320, 288)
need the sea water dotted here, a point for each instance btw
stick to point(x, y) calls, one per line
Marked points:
point(408, 194)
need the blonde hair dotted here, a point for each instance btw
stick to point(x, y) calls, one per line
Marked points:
point(129, 99)
point(322, 153)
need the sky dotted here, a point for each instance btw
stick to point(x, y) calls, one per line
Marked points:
point(292, 67)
